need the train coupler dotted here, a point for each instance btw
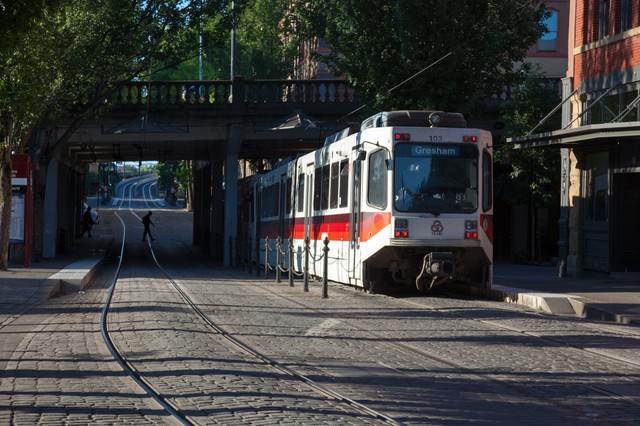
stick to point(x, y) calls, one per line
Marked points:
point(438, 266)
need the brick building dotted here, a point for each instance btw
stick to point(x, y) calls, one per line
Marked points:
point(599, 142)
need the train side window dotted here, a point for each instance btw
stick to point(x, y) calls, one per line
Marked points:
point(287, 202)
point(324, 205)
point(266, 199)
point(259, 203)
point(377, 180)
point(344, 183)
point(317, 190)
point(300, 195)
point(487, 181)
point(276, 199)
point(333, 187)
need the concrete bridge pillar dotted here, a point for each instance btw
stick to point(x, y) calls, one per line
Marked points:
point(202, 206)
point(50, 225)
point(236, 135)
point(217, 209)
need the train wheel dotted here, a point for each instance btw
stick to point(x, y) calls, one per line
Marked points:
point(371, 286)
point(486, 279)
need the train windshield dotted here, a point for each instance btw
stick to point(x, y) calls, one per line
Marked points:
point(436, 179)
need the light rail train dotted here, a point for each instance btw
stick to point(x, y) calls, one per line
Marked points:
point(406, 200)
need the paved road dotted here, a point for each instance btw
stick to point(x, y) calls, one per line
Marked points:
point(418, 360)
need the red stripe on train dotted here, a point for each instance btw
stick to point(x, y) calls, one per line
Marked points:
point(335, 227)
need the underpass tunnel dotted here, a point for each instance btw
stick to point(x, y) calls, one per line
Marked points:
point(214, 136)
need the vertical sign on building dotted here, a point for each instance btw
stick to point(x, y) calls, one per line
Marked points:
point(20, 208)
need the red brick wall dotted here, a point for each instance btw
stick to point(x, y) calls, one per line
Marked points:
point(610, 57)
point(586, 21)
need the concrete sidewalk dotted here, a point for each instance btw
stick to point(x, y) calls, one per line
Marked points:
point(601, 297)
point(71, 271)
point(614, 297)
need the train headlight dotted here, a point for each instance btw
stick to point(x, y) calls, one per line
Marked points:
point(401, 228)
point(434, 119)
point(470, 229)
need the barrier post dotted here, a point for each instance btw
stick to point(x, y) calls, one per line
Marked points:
point(278, 257)
point(307, 245)
point(257, 256)
point(325, 275)
point(249, 261)
point(266, 258)
point(290, 261)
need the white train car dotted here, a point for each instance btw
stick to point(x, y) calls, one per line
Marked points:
point(407, 200)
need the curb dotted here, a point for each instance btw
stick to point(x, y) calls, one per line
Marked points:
point(551, 303)
point(557, 304)
point(76, 276)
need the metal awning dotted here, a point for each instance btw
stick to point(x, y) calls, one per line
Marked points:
point(583, 135)
point(298, 120)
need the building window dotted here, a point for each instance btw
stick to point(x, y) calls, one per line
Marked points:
point(621, 107)
point(597, 187)
point(629, 105)
point(626, 16)
point(549, 40)
point(603, 20)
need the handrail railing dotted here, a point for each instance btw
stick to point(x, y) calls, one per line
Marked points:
point(219, 92)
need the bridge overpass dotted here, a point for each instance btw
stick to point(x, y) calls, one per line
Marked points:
point(214, 123)
point(192, 120)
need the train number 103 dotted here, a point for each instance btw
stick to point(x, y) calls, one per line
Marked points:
point(435, 138)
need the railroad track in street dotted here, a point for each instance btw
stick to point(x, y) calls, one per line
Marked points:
point(413, 360)
point(616, 393)
point(179, 406)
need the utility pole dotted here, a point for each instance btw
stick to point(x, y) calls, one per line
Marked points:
point(200, 44)
point(233, 39)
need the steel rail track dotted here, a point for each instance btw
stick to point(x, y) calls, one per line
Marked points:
point(518, 389)
point(170, 407)
point(116, 353)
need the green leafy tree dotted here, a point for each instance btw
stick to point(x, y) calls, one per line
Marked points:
point(267, 39)
point(459, 53)
point(67, 62)
point(176, 174)
point(266, 43)
point(529, 176)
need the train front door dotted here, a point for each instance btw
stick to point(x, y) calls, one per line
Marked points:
point(355, 267)
point(308, 201)
point(308, 212)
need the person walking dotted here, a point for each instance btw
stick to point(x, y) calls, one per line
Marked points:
point(87, 222)
point(146, 221)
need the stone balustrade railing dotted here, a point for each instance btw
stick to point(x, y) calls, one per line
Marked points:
point(227, 92)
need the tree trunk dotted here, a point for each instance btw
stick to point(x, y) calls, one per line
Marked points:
point(532, 228)
point(189, 194)
point(5, 203)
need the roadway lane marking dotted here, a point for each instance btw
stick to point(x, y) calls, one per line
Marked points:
point(320, 329)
